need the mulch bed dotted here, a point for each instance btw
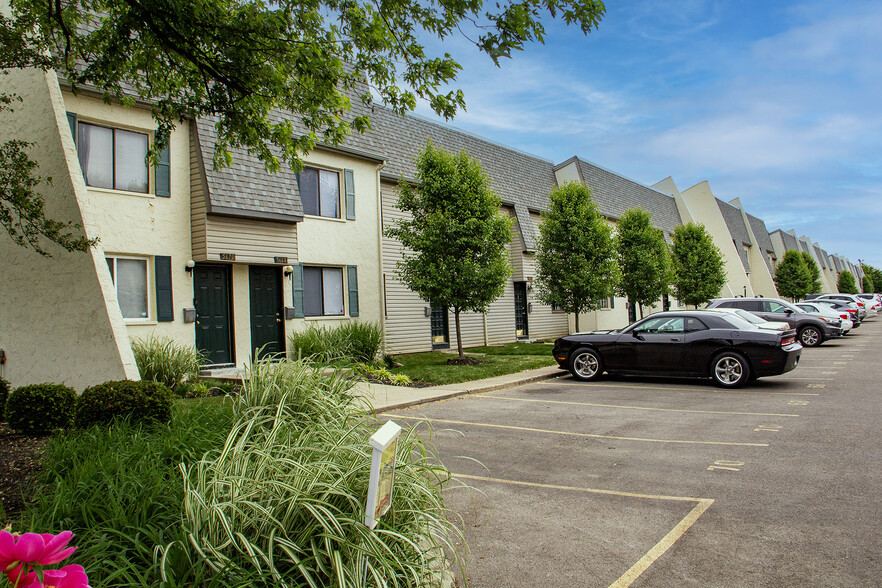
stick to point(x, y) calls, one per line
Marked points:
point(465, 361)
point(19, 463)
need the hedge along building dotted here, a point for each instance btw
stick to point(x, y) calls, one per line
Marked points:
point(614, 194)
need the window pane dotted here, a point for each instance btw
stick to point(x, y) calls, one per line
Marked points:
point(312, 291)
point(332, 285)
point(95, 150)
point(330, 194)
point(131, 287)
point(309, 190)
point(131, 161)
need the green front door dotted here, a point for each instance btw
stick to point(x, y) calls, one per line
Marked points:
point(267, 320)
point(211, 296)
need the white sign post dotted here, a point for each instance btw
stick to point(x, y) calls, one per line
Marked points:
point(379, 498)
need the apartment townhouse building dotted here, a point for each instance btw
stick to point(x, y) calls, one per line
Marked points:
point(234, 260)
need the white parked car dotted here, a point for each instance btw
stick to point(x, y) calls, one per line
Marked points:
point(862, 308)
point(755, 320)
point(874, 301)
point(826, 314)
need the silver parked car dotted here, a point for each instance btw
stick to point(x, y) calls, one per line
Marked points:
point(825, 313)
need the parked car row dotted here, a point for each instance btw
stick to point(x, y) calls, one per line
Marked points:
point(717, 344)
point(732, 341)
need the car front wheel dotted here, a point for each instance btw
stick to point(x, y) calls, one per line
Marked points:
point(810, 337)
point(586, 364)
point(730, 370)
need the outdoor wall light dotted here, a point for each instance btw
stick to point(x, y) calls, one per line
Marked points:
point(190, 265)
point(288, 270)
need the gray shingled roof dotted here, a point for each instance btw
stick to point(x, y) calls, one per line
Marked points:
point(789, 241)
point(614, 194)
point(758, 227)
point(820, 255)
point(246, 188)
point(737, 229)
point(838, 263)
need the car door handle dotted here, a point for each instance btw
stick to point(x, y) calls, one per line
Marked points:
point(675, 338)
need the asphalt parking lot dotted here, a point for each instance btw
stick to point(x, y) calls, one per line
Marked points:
point(653, 482)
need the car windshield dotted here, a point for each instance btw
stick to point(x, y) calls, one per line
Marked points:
point(748, 316)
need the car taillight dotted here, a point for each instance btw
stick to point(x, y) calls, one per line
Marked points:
point(789, 340)
point(845, 316)
point(861, 304)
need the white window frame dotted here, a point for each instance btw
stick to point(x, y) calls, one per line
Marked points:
point(343, 292)
point(150, 184)
point(340, 195)
point(148, 284)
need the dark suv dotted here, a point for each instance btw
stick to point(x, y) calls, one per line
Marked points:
point(811, 330)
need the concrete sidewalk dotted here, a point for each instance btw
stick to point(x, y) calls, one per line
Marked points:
point(383, 397)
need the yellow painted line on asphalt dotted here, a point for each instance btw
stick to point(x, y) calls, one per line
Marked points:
point(662, 546)
point(657, 550)
point(572, 434)
point(637, 407)
point(696, 389)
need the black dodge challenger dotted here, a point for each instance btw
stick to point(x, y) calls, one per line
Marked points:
point(692, 343)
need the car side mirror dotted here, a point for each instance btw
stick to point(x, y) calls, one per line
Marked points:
point(788, 312)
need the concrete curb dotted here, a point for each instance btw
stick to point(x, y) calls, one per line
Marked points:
point(437, 393)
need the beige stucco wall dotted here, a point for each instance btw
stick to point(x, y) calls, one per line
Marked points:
point(341, 242)
point(703, 208)
point(144, 225)
point(59, 320)
point(568, 173)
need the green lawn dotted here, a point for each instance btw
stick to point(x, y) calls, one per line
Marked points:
point(432, 366)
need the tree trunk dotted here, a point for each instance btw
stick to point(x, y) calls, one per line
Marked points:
point(577, 321)
point(458, 333)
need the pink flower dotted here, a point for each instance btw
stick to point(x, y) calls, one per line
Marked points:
point(21, 579)
point(45, 549)
point(70, 576)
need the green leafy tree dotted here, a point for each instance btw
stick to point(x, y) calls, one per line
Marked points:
point(699, 268)
point(792, 276)
point(813, 284)
point(457, 237)
point(875, 275)
point(576, 265)
point(867, 283)
point(643, 257)
point(245, 61)
point(846, 283)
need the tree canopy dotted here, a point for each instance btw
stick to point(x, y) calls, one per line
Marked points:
point(246, 62)
point(699, 268)
point(456, 236)
point(576, 265)
point(813, 285)
point(846, 283)
point(793, 278)
point(867, 284)
point(875, 275)
point(644, 258)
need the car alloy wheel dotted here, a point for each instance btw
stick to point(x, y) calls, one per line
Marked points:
point(810, 337)
point(585, 364)
point(730, 370)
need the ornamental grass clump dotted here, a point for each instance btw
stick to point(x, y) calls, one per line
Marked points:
point(284, 497)
point(162, 360)
point(352, 341)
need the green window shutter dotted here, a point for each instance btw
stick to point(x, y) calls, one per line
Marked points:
point(612, 302)
point(349, 188)
point(165, 311)
point(352, 279)
point(297, 287)
point(163, 173)
point(72, 121)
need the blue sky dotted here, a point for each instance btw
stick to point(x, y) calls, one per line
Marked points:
point(777, 102)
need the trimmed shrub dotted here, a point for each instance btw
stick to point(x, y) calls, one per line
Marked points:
point(136, 401)
point(165, 361)
point(4, 394)
point(39, 409)
point(355, 341)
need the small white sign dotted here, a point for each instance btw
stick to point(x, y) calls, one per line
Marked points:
point(379, 498)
